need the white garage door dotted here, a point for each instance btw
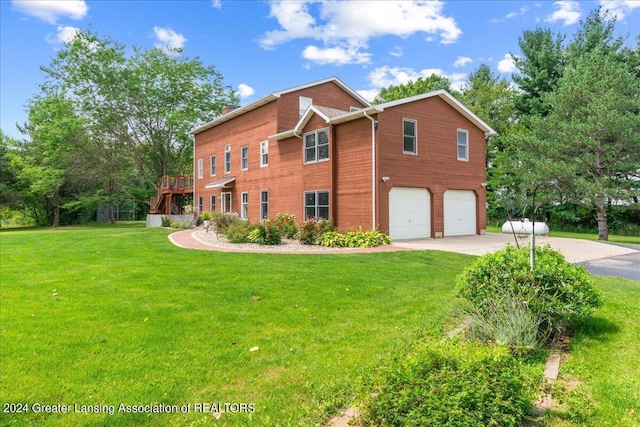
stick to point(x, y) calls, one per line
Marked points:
point(459, 212)
point(409, 213)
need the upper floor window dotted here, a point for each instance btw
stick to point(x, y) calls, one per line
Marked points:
point(409, 136)
point(463, 145)
point(304, 104)
point(244, 158)
point(227, 159)
point(264, 153)
point(316, 146)
point(200, 168)
point(316, 204)
point(213, 165)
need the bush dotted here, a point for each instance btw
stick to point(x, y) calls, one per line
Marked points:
point(286, 224)
point(165, 221)
point(238, 232)
point(222, 221)
point(354, 239)
point(266, 234)
point(556, 290)
point(312, 229)
point(452, 383)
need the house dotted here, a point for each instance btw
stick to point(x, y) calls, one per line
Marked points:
point(413, 168)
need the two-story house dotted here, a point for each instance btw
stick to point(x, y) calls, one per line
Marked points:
point(413, 168)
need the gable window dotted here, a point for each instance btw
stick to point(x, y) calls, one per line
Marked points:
point(264, 153)
point(200, 168)
point(264, 204)
point(213, 165)
point(304, 104)
point(244, 212)
point(316, 146)
point(213, 203)
point(244, 158)
point(463, 145)
point(316, 204)
point(227, 159)
point(409, 136)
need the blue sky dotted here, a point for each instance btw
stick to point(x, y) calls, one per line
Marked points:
point(263, 46)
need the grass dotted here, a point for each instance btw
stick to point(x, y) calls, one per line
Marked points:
point(635, 240)
point(600, 380)
point(104, 315)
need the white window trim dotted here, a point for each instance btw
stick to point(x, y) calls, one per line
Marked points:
point(304, 200)
point(212, 203)
point(200, 168)
point(227, 159)
point(213, 167)
point(415, 143)
point(304, 148)
point(306, 102)
point(244, 205)
point(223, 208)
point(244, 157)
point(200, 203)
point(462, 159)
point(264, 151)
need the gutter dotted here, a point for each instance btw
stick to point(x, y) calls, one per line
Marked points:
point(374, 124)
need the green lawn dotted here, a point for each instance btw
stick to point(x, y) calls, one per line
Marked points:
point(110, 315)
point(105, 315)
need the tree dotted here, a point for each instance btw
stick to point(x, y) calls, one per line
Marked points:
point(589, 143)
point(420, 86)
point(138, 108)
point(539, 68)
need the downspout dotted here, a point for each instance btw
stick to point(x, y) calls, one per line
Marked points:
point(373, 170)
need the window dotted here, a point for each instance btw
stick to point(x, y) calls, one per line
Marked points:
point(264, 153)
point(316, 204)
point(227, 159)
point(213, 203)
point(244, 158)
point(213, 165)
point(200, 168)
point(264, 204)
point(316, 146)
point(304, 104)
point(409, 136)
point(225, 202)
point(200, 201)
point(463, 145)
point(244, 214)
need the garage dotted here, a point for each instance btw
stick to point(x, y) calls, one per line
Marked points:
point(459, 212)
point(409, 213)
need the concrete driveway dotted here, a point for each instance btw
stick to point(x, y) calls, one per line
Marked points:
point(600, 258)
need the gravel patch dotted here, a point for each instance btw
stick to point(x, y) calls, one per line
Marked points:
point(287, 245)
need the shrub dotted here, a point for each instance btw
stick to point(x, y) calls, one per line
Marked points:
point(312, 229)
point(222, 221)
point(354, 239)
point(238, 232)
point(266, 234)
point(286, 224)
point(451, 383)
point(165, 221)
point(555, 290)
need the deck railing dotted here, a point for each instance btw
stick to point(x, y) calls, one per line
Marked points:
point(172, 184)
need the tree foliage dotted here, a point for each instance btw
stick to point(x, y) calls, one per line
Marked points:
point(417, 87)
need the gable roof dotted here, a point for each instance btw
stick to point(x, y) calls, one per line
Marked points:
point(443, 94)
point(272, 97)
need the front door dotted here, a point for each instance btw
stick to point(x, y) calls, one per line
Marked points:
point(226, 202)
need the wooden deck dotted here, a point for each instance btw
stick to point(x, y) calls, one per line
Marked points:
point(173, 193)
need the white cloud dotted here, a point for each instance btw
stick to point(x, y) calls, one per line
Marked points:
point(168, 38)
point(245, 91)
point(216, 4)
point(397, 52)
point(50, 11)
point(511, 15)
point(461, 61)
point(568, 12)
point(506, 64)
point(368, 94)
point(64, 34)
point(340, 25)
point(619, 8)
point(387, 76)
point(336, 55)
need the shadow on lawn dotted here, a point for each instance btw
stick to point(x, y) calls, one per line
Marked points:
point(594, 327)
